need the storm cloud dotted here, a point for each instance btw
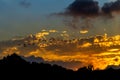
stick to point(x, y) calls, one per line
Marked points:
point(81, 13)
point(91, 8)
point(83, 8)
point(111, 7)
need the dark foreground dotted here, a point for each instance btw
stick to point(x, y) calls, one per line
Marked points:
point(15, 64)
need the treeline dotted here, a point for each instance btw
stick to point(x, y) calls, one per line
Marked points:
point(43, 71)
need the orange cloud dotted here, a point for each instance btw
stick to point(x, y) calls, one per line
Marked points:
point(99, 51)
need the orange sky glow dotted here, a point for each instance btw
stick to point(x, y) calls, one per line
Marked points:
point(99, 51)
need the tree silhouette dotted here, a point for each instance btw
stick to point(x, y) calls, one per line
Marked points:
point(46, 71)
point(13, 59)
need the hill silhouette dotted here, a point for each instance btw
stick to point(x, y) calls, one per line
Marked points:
point(13, 59)
point(44, 71)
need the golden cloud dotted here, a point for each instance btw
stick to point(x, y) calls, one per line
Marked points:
point(99, 51)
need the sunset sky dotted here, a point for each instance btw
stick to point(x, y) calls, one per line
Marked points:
point(17, 19)
point(71, 33)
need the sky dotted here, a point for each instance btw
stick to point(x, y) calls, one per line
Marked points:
point(62, 31)
point(17, 19)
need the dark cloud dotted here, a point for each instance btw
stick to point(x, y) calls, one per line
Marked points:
point(33, 59)
point(69, 65)
point(25, 4)
point(86, 11)
point(90, 8)
point(83, 8)
point(110, 7)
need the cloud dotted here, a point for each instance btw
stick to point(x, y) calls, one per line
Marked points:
point(74, 65)
point(78, 11)
point(91, 8)
point(83, 51)
point(25, 4)
point(110, 7)
point(39, 43)
point(81, 13)
point(83, 8)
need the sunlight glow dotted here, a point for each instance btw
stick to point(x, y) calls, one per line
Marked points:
point(99, 51)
